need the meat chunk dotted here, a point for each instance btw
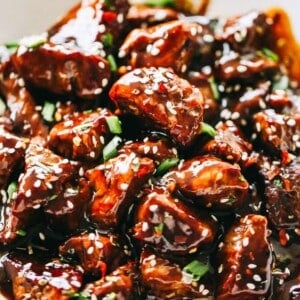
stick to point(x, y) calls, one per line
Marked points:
point(210, 182)
point(99, 255)
point(62, 71)
point(118, 284)
point(32, 279)
point(171, 226)
point(82, 136)
point(278, 132)
point(163, 100)
point(12, 154)
point(170, 44)
point(166, 280)
point(116, 183)
point(245, 258)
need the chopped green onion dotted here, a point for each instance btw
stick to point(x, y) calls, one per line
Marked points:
point(53, 197)
point(136, 167)
point(84, 295)
point(281, 84)
point(112, 63)
point(114, 124)
point(12, 46)
point(214, 88)
point(34, 41)
point(269, 54)
point(208, 129)
point(110, 150)
point(108, 39)
point(159, 228)
point(12, 188)
point(277, 183)
point(162, 3)
point(197, 269)
point(48, 111)
point(110, 296)
point(166, 165)
point(2, 107)
point(21, 232)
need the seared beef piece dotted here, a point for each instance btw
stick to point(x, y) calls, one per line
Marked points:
point(233, 66)
point(229, 144)
point(209, 182)
point(278, 132)
point(283, 198)
point(62, 71)
point(247, 32)
point(162, 100)
point(170, 44)
point(98, 255)
point(81, 136)
point(145, 16)
point(158, 150)
point(27, 121)
point(92, 26)
point(244, 260)
point(170, 226)
point(12, 154)
point(51, 185)
point(163, 279)
point(116, 182)
point(32, 279)
point(119, 284)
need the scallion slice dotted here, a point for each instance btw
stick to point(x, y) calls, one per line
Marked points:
point(162, 3)
point(197, 269)
point(114, 124)
point(48, 111)
point(281, 84)
point(108, 39)
point(12, 188)
point(110, 150)
point(208, 129)
point(166, 165)
point(214, 88)
point(112, 63)
point(21, 232)
point(269, 54)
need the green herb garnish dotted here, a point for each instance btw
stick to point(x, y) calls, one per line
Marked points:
point(110, 150)
point(197, 269)
point(12, 188)
point(48, 111)
point(166, 165)
point(281, 84)
point(21, 232)
point(107, 39)
point(84, 295)
point(269, 54)
point(112, 63)
point(114, 124)
point(208, 129)
point(163, 3)
point(214, 88)
point(278, 183)
point(159, 228)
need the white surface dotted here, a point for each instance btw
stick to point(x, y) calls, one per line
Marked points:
point(24, 17)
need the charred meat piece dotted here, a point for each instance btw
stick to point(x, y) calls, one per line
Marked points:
point(233, 66)
point(170, 226)
point(158, 150)
point(12, 154)
point(145, 16)
point(115, 183)
point(163, 100)
point(209, 182)
point(283, 198)
point(247, 32)
point(98, 255)
point(278, 132)
point(82, 136)
point(170, 44)
point(32, 279)
point(116, 285)
point(92, 26)
point(27, 122)
point(228, 144)
point(245, 257)
point(61, 71)
point(166, 280)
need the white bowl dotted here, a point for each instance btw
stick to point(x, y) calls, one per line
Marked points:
point(19, 17)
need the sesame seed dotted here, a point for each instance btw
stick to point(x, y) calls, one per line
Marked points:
point(245, 241)
point(205, 232)
point(241, 69)
point(124, 186)
point(201, 288)
point(76, 141)
point(256, 277)
point(120, 18)
point(42, 236)
point(70, 204)
point(122, 53)
point(76, 283)
point(101, 28)
point(153, 207)
point(102, 140)
point(145, 226)
point(92, 154)
point(37, 183)
point(152, 262)
point(104, 82)
point(205, 292)
point(98, 91)
point(220, 269)
point(101, 65)
point(154, 149)
point(183, 68)
point(81, 172)
point(90, 250)
point(208, 38)
point(99, 245)
point(291, 122)
point(28, 193)
point(36, 206)
point(154, 51)
point(148, 92)
point(250, 286)
point(252, 266)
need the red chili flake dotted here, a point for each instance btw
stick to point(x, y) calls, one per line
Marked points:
point(109, 16)
point(162, 88)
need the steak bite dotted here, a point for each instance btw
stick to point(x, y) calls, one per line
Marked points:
point(209, 182)
point(163, 100)
point(244, 260)
point(170, 226)
point(116, 183)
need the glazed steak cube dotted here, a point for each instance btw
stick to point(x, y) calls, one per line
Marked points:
point(171, 226)
point(116, 182)
point(82, 136)
point(163, 100)
point(245, 257)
